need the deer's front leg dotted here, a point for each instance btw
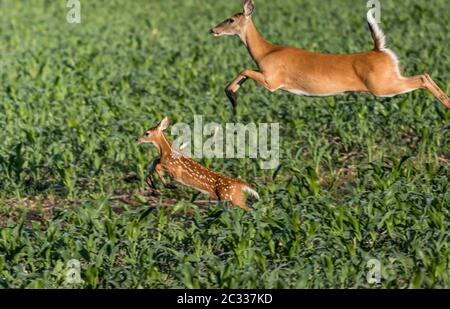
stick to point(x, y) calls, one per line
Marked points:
point(159, 170)
point(153, 167)
point(234, 86)
point(150, 171)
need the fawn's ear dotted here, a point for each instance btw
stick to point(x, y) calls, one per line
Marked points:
point(249, 8)
point(164, 124)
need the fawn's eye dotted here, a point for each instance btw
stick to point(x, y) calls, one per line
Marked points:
point(231, 20)
point(147, 134)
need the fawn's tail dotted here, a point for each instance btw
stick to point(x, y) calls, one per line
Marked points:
point(250, 191)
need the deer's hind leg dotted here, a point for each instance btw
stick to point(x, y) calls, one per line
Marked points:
point(393, 86)
point(235, 197)
point(438, 92)
point(239, 202)
point(400, 85)
point(238, 199)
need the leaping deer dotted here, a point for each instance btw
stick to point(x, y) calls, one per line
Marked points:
point(316, 74)
point(190, 173)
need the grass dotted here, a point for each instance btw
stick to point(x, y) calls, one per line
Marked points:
point(360, 177)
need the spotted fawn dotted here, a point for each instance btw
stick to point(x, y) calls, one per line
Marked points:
point(192, 174)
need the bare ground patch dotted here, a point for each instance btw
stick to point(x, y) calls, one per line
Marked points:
point(43, 208)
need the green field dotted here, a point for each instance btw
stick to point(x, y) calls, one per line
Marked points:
point(360, 177)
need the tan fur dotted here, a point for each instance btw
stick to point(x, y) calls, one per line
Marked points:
point(192, 174)
point(316, 74)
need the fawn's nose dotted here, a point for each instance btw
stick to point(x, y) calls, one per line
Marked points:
point(212, 31)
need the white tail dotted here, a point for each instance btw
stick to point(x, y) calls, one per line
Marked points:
point(251, 192)
point(377, 33)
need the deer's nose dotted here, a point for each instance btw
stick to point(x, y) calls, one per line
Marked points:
point(212, 31)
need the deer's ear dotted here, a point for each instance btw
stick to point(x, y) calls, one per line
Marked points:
point(164, 124)
point(249, 8)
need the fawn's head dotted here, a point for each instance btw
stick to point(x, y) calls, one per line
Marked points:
point(236, 24)
point(155, 134)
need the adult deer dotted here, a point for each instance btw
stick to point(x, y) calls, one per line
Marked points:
point(316, 74)
point(190, 173)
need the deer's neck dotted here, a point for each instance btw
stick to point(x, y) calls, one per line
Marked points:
point(257, 46)
point(164, 147)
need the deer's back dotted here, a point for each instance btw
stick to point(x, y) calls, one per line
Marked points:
point(191, 173)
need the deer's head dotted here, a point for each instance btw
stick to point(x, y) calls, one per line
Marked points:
point(236, 24)
point(154, 135)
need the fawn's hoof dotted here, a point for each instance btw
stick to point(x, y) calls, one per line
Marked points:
point(154, 192)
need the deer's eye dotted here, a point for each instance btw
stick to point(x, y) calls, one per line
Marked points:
point(147, 134)
point(231, 20)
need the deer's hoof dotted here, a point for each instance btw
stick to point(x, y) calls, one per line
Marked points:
point(232, 97)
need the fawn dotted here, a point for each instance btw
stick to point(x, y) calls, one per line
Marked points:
point(190, 173)
point(316, 74)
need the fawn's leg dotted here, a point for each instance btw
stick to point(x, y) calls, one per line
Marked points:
point(150, 171)
point(232, 193)
point(160, 172)
point(238, 199)
point(241, 204)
